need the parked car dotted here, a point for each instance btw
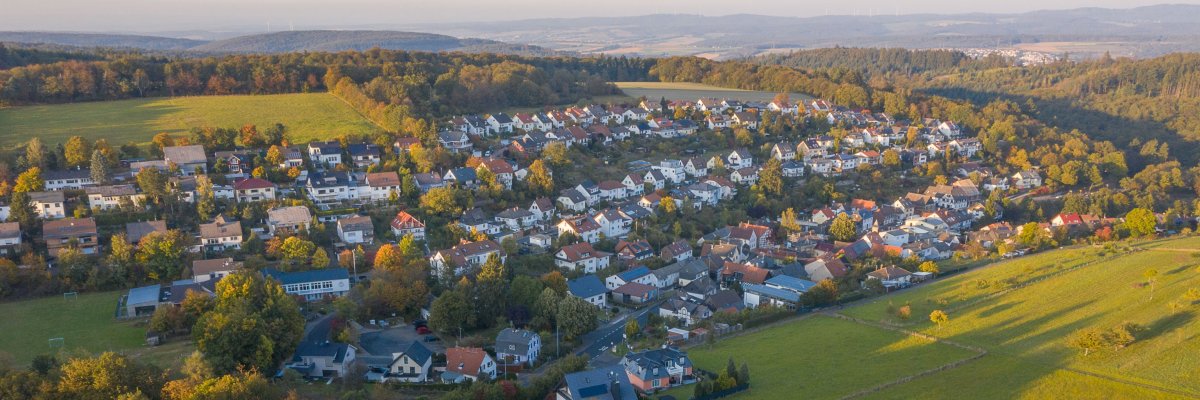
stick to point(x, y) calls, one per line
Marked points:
point(431, 338)
point(423, 330)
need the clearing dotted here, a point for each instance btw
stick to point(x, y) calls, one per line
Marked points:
point(695, 91)
point(86, 324)
point(307, 116)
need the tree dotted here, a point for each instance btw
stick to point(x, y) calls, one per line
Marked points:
point(825, 293)
point(77, 151)
point(632, 328)
point(540, 180)
point(206, 202)
point(770, 179)
point(575, 317)
point(99, 168)
point(930, 267)
point(387, 258)
point(1140, 222)
point(891, 158)
point(1087, 339)
point(107, 376)
point(275, 156)
point(162, 253)
point(35, 153)
point(254, 324)
point(905, 312)
point(451, 312)
point(30, 181)
point(152, 182)
point(320, 259)
point(295, 251)
point(1151, 276)
point(843, 228)
point(441, 201)
point(556, 154)
point(788, 220)
point(939, 317)
point(667, 206)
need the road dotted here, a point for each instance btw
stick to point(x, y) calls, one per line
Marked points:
point(598, 341)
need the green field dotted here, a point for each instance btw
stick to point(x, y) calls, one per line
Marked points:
point(695, 91)
point(822, 357)
point(307, 115)
point(1021, 312)
point(85, 323)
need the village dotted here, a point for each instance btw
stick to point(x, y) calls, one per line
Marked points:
point(593, 232)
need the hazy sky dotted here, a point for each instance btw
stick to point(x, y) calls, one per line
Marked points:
point(254, 15)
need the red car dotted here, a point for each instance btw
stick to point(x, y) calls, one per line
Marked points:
point(424, 330)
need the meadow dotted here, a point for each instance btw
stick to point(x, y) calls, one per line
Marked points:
point(1021, 312)
point(821, 357)
point(695, 91)
point(87, 326)
point(307, 116)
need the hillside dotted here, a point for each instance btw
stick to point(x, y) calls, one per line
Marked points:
point(101, 40)
point(336, 41)
point(308, 116)
point(1018, 314)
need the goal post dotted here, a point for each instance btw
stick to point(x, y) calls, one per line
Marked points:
point(56, 343)
point(70, 295)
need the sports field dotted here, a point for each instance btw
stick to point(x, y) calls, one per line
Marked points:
point(307, 116)
point(85, 323)
point(1020, 312)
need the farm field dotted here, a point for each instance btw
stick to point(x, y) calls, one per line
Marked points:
point(307, 116)
point(821, 357)
point(1021, 312)
point(85, 323)
point(694, 91)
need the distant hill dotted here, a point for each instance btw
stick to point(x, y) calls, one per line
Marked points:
point(279, 42)
point(100, 40)
point(1142, 32)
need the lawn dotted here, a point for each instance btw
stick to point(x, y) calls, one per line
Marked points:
point(1025, 329)
point(85, 323)
point(822, 357)
point(307, 115)
point(695, 91)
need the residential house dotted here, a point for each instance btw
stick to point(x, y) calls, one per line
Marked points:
point(288, 220)
point(405, 224)
point(634, 251)
point(675, 252)
point(606, 383)
point(113, 196)
point(468, 364)
point(253, 189)
point(135, 231)
point(325, 188)
point(687, 312)
point(461, 177)
point(581, 256)
point(322, 358)
point(590, 289)
point(381, 186)
point(640, 275)
point(657, 369)
point(214, 269)
point(363, 154)
point(466, 255)
point(500, 123)
point(413, 364)
point(79, 233)
point(325, 153)
point(10, 237)
point(48, 205)
point(891, 277)
point(1027, 179)
point(542, 209)
point(356, 230)
point(635, 293)
point(454, 141)
point(518, 346)
point(585, 228)
point(743, 273)
point(67, 179)
point(221, 234)
point(189, 159)
point(783, 151)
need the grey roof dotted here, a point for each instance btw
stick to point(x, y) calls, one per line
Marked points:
point(185, 154)
point(316, 275)
point(145, 294)
point(781, 294)
point(135, 231)
point(608, 383)
point(67, 174)
point(418, 352)
point(46, 197)
point(356, 223)
point(514, 341)
point(10, 230)
point(645, 364)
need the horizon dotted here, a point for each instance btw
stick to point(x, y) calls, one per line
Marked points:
point(177, 18)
